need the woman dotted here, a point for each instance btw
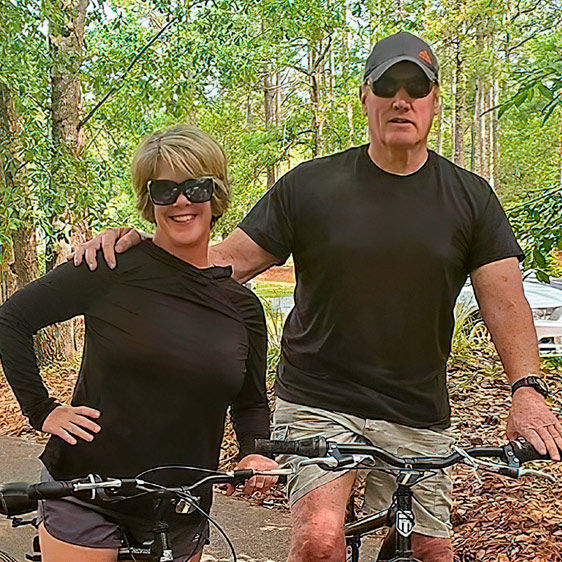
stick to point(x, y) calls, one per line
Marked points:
point(171, 341)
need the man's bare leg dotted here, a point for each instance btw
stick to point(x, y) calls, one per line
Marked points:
point(318, 520)
point(432, 549)
point(426, 549)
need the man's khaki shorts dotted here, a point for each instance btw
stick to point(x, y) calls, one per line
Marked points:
point(432, 497)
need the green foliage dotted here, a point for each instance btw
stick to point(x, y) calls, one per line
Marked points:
point(148, 64)
point(538, 225)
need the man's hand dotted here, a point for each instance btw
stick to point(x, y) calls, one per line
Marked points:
point(69, 422)
point(109, 241)
point(531, 419)
point(256, 483)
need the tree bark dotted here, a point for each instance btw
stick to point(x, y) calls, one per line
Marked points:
point(269, 112)
point(66, 36)
point(315, 106)
point(458, 110)
point(439, 131)
point(24, 266)
point(475, 148)
point(560, 161)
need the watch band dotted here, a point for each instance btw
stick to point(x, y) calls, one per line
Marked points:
point(535, 382)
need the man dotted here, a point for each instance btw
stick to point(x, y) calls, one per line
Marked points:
point(383, 237)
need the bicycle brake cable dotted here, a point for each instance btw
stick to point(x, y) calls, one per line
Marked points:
point(188, 498)
point(502, 469)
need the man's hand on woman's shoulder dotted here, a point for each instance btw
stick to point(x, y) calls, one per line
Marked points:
point(110, 241)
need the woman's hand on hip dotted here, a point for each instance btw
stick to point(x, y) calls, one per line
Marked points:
point(72, 422)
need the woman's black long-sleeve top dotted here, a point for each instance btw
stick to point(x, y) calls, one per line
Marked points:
point(168, 347)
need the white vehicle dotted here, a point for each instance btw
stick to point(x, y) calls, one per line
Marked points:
point(546, 305)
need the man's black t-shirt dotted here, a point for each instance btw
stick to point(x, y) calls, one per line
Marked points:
point(168, 348)
point(379, 261)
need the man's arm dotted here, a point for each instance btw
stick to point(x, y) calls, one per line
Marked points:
point(238, 250)
point(499, 291)
point(247, 258)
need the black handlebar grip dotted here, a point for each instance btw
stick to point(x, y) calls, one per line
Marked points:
point(312, 447)
point(525, 452)
point(14, 499)
point(50, 490)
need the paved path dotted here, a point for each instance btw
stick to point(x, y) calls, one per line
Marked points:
point(258, 534)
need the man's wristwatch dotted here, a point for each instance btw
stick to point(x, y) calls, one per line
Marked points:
point(534, 382)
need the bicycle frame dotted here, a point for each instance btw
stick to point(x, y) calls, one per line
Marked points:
point(400, 515)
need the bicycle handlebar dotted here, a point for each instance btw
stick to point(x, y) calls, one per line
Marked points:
point(515, 452)
point(18, 498)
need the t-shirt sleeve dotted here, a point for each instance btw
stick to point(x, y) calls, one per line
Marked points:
point(492, 237)
point(270, 223)
point(250, 410)
point(63, 293)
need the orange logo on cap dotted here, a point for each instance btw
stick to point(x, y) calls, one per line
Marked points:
point(425, 56)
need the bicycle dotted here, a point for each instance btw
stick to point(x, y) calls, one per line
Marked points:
point(407, 472)
point(20, 498)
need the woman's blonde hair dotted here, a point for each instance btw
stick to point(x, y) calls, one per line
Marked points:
point(187, 149)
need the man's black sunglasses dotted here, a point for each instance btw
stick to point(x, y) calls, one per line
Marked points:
point(386, 86)
point(166, 192)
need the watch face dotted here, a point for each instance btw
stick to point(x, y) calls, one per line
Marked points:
point(538, 384)
point(534, 382)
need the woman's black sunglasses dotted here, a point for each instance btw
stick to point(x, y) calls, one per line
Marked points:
point(166, 192)
point(386, 86)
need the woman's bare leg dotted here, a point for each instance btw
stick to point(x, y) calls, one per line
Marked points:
point(54, 550)
point(196, 557)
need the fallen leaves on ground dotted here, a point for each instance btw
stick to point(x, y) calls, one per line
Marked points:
point(495, 519)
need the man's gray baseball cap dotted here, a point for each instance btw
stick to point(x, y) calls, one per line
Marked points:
point(400, 47)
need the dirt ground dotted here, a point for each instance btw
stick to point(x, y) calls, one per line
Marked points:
point(279, 273)
point(495, 519)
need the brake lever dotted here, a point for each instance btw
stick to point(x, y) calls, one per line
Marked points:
point(533, 472)
point(275, 472)
point(333, 463)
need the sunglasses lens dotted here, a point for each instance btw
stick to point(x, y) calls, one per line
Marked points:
point(166, 192)
point(386, 87)
point(200, 191)
point(163, 192)
point(418, 88)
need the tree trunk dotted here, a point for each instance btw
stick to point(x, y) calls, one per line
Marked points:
point(475, 146)
point(560, 151)
point(317, 63)
point(494, 156)
point(269, 112)
point(24, 266)
point(458, 110)
point(439, 130)
point(315, 103)
point(66, 36)
point(485, 134)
